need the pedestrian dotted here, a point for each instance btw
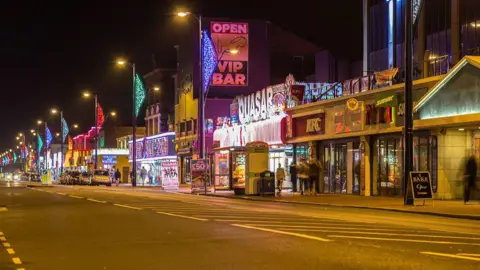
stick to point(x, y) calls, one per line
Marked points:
point(117, 177)
point(280, 174)
point(131, 177)
point(293, 176)
point(470, 178)
point(313, 176)
point(302, 171)
point(143, 174)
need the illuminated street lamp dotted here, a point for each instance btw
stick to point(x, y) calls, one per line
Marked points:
point(87, 94)
point(54, 111)
point(156, 88)
point(39, 122)
point(75, 126)
point(113, 113)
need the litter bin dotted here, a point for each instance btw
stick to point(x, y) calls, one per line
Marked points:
point(266, 183)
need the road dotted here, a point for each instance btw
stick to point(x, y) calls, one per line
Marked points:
point(90, 228)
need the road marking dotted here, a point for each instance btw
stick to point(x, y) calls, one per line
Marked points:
point(395, 234)
point(468, 254)
point(282, 232)
point(77, 197)
point(312, 228)
point(1, 233)
point(306, 222)
point(16, 260)
point(93, 200)
point(10, 251)
point(3, 239)
point(59, 193)
point(403, 240)
point(255, 217)
point(182, 216)
point(20, 268)
point(7, 245)
point(450, 256)
point(127, 206)
point(3, 209)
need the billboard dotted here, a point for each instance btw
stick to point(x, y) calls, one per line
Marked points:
point(231, 44)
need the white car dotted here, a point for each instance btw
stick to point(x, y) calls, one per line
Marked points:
point(100, 177)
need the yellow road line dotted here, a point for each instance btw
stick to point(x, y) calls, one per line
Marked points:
point(77, 197)
point(397, 234)
point(403, 240)
point(20, 268)
point(3, 239)
point(182, 216)
point(16, 260)
point(7, 245)
point(127, 206)
point(468, 254)
point(10, 251)
point(1, 233)
point(282, 232)
point(3, 209)
point(59, 193)
point(93, 200)
point(450, 256)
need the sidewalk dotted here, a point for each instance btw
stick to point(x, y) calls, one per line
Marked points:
point(445, 208)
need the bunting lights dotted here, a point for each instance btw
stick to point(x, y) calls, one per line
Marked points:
point(210, 60)
point(64, 129)
point(140, 94)
point(48, 137)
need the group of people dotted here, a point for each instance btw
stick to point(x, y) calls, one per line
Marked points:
point(115, 175)
point(308, 174)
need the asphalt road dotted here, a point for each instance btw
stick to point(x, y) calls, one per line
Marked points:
point(90, 228)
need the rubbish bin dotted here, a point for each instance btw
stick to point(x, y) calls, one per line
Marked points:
point(266, 183)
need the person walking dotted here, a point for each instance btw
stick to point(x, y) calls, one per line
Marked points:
point(470, 178)
point(293, 176)
point(117, 177)
point(143, 175)
point(280, 174)
point(303, 176)
point(313, 176)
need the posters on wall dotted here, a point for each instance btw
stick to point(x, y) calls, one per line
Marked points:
point(232, 67)
point(199, 170)
point(169, 175)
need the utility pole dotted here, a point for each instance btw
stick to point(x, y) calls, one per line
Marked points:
point(408, 130)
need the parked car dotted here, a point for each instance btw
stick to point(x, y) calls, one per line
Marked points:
point(101, 177)
point(85, 178)
point(35, 177)
point(74, 177)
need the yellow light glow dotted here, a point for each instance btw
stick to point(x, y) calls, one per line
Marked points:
point(75, 126)
point(54, 111)
point(20, 142)
point(20, 134)
point(113, 113)
point(233, 51)
point(121, 62)
point(86, 94)
point(57, 134)
point(156, 88)
point(183, 14)
point(18, 147)
point(32, 131)
point(39, 122)
point(17, 138)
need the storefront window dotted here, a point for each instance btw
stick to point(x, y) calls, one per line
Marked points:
point(390, 155)
point(187, 176)
point(356, 168)
point(222, 170)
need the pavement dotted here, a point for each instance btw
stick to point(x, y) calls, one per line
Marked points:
point(99, 228)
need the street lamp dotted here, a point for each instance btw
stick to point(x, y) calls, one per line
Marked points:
point(123, 63)
point(201, 109)
point(87, 94)
point(113, 113)
point(54, 111)
point(39, 122)
point(75, 126)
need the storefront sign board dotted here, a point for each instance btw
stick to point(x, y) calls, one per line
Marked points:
point(232, 69)
point(169, 175)
point(200, 178)
point(421, 185)
point(388, 100)
point(309, 125)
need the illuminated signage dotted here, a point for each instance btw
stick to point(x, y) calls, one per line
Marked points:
point(231, 42)
point(109, 159)
point(154, 147)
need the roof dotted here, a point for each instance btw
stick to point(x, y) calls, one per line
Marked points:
point(473, 60)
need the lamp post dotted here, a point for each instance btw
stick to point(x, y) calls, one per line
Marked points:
point(87, 95)
point(39, 122)
point(408, 132)
point(122, 63)
point(201, 108)
point(54, 112)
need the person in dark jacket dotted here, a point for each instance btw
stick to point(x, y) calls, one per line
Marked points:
point(470, 178)
point(293, 176)
point(117, 177)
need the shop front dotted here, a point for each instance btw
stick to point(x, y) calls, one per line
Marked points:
point(157, 163)
point(358, 140)
point(113, 159)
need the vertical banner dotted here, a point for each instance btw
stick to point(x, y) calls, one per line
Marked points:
point(170, 175)
point(199, 169)
point(231, 42)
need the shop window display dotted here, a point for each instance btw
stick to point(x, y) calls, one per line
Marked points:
point(222, 170)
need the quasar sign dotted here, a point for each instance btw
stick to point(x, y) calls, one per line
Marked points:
point(231, 43)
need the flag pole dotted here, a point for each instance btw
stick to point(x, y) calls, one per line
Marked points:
point(96, 133)
point(61, 142)
point(134, 133)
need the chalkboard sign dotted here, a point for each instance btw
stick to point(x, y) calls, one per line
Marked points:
point(421, 185)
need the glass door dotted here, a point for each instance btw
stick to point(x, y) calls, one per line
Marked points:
point(340, 168)
point(356, 168)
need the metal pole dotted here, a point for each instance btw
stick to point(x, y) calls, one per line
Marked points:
point(38, 151)
point(408, 132)
point(46, 148)
point(134, 133)
point(201, 109)
point(61, 141)
point(96, 133)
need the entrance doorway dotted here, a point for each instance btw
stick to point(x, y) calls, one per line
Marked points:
point(335, 168)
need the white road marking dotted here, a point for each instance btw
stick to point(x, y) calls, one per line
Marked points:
point(3, 239)
point(260, 217)
point(403, 240)
point(59, 193)
point(10, 251)
point(7, 245)
point(282, 232)
point(93, 200)
point(468, 254)
point(127, 206)
point(392, 234)
point(328, 226)
point(76, 197)
point(305, 222)
point(182, 216)
point(450, 256)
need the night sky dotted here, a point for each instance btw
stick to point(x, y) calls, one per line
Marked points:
point(52, 50)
